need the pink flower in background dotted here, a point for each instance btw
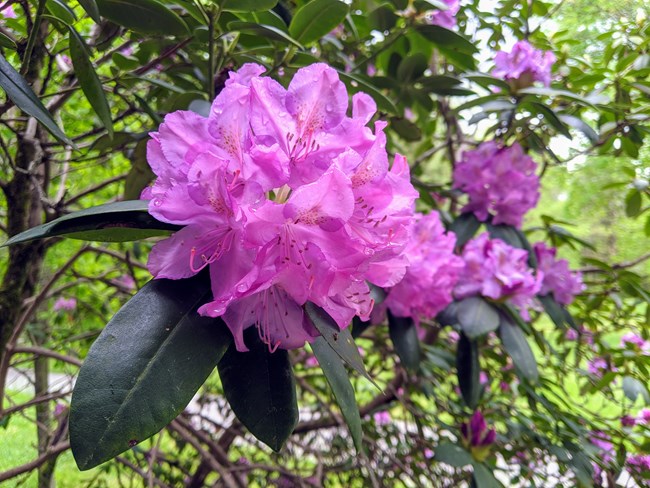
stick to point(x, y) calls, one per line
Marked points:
point(558, 278)
point(499, 181)
point(126, 281)
point(498, 271)
point(382, 418)
point(628, 421)
point(597, 367)
point(603, 442)
point(476, 432)
point(634, 341)
point(445, 18)
point(8, 12)
point(432, 273)
point(639, 464)
point(286, 198)
point(311, 362)
point(644, 416)
point(525, 64)
point(67, 304)
point(571, 335)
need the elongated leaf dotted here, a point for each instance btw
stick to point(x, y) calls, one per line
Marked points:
point(88, 79)
point(90, 6)
point(553, 309)
point(316, 18)
point(266, 31)
point(515, 343)
point(552, 92)
point(634, 388)
point(449, 316)
point(383, 102)
point(339, 340)
point(452, 454)
point(61, 11)
point(7, 42)
point(261, 389)
point(404, 335)
point(338, 379)
point(477, 317)
point(483, 477)
point(465, 226)
point(144, 368)
point(580, 125)
point(468, 370)
point(146, 16)
point(247, 5)
point(506, 233)
point(113, 222)
point(446, 38)
point(22, 95)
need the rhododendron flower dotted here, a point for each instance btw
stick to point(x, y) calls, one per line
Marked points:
point(635, 341)
point(67, 304)
point(477, 437)
point(639, 464)
point(628, 421)
point(597, 367)
point(382, 418)
point(500, 181)
point(445, 18)
point(498, 271)
point(432, 273)
point(524, 64)
point(603, 442)
point(286, 198)
point(8, 12)
point(558, 279)
point(644, 416)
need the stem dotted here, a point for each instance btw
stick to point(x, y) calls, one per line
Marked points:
point(32, 37)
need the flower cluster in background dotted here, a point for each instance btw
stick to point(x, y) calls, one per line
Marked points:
point(563, 284)
point(286, 198)
point(445, 18)
point(524, 65)
point(65, 304)
point(500, 181)
point(477, 437)
point(498, 271)
point(432, 273)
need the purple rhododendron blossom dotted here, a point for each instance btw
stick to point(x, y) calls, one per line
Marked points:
point(8, 12)
point(603, 442)
point(432, 273)
point(639, 464)
point(635, 341)
point(444, 18)
point(558, 278)
point(67, 304)
point(597, 367)
point(476, 433)
point(644, 416)
point(500, 181)
point(525, 64)
point(286, 198)
point(628, 421)
point(382, 418)
point(498, 271)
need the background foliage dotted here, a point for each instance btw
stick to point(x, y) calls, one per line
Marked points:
point(105, 72)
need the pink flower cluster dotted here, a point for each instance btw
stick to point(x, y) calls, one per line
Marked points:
point(639, 464)
point(643, 418)
point(525, 64)
point(496, 270)
point(558, 278)
point(500, 181)
point(635, 341)
point(8, 12)
point(66, 304)
point(432, 273)
point(445, 18)
point(477, 437)
point(286, 198)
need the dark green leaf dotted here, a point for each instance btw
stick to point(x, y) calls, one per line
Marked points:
point(552, 92)
point(22, 95)
point(113, 222)
point(412, 67)
point(404, 335)
point(465, 226)
point(506, 233)
point(633, 203)
point(266, 31)
point(383, 102)
point(449, 316)
point(88, 79)
point(483, 477)
point(7, 42)
point(580, 125)
point(261, 389)
point(452, 454)
point(406, 129)
point(549, 117)
point(487, 80)
point(146, 16)
point(338, 379)
point(634, 388)
point(477, 317)
point(553, 309)
point(61, 11)
point(316, 18)
point(445, 38)
point(90, 6)
point(247, 5)
point(339, 340)
point(515, 343)
point(140, 174)
point(144, 368)
point(468, 370)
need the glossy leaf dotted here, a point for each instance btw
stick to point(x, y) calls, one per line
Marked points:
point(404, 335)
point(553, 309)
point(140, 174)
point(337, 377)
point(384, 103)
point(515, 343)
point(145, 16)
point(7, 42)
point(144, 368)
point(247, 5)
point(476, 317)
point(468, 370)
point(316, 18)
point(339, 340)
point(552, 92)
point(506, 233)
point(265, 31)
point(19, 91)
point(452, 454)
point(633, 203)
point(446, 38)
point(113, 222)
point(465, 226)
point(634, 388)
point(261, 389)
point(90, 6)
point(88, 79)
point(580, 125)
point(483, 477)
point(61, 11)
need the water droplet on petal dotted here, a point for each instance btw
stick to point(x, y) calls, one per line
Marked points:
point(242, 287)
point(369, 251)
point(157, 202)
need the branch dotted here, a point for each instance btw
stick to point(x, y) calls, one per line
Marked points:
point(53, 451)
point(42, 351)
point(617, 266)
